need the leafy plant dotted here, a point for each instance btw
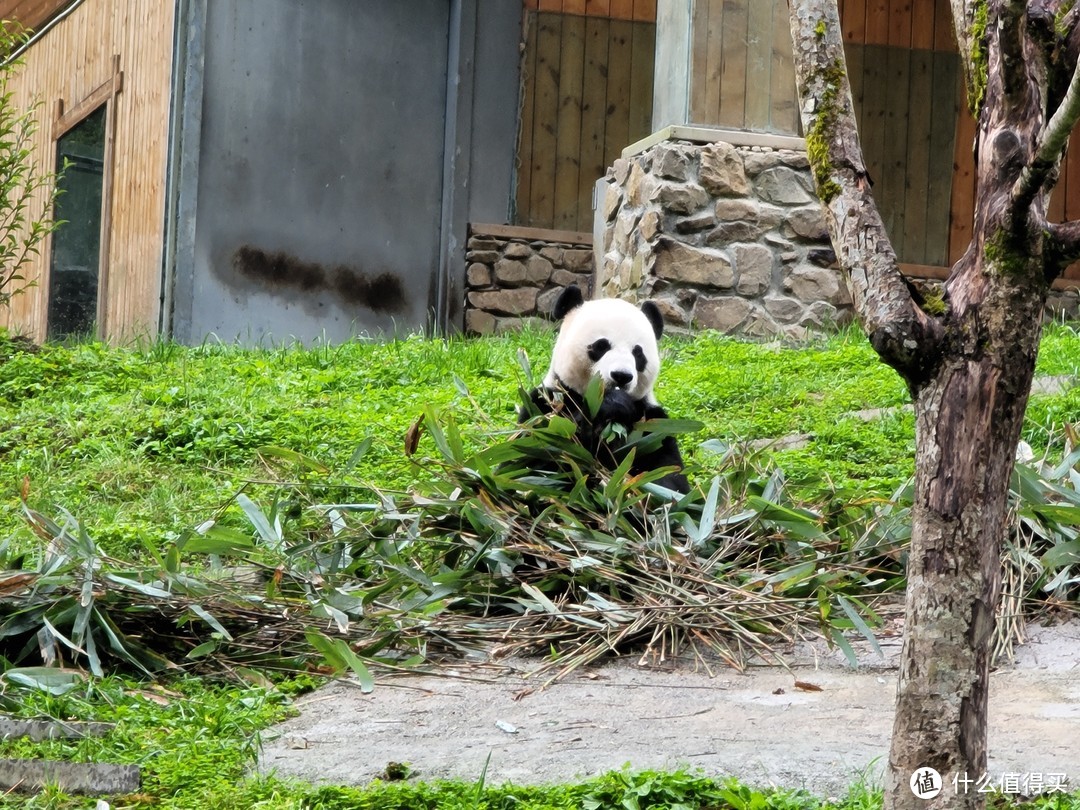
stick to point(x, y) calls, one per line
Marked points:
point(529, 533)
point(681, 790)
point(22, 230)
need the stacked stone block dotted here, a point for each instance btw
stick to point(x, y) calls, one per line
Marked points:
point(513, 281)
point(721, 237)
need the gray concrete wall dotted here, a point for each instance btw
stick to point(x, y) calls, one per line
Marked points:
point(495, 110)
point(330, 157)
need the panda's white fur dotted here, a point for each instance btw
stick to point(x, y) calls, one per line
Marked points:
point(617, 342)
point(629, 336)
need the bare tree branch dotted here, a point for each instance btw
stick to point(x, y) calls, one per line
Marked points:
point(1063, 246)
point(1011, 30)
point(907, 338)
point(1052, 142)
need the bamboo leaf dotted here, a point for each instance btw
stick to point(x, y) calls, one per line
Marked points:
point(545, 603)
point(203, 649)
point(203, 614)
point(140, 587)
point(358, 454)
point(340, 657)
point(841, 642)
point(857, 620)
point(270, 536)
point(46, 679)
point(218, 540)
point(293, 457)
point(1062, 554)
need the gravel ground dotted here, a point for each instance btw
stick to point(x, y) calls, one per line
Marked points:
point(818, 725)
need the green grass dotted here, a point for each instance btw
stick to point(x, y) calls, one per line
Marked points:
point(141, 443)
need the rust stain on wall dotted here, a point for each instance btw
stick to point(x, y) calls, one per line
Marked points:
point(280, 271)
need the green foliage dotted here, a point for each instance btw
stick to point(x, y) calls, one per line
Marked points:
point(145, 444)
point(821, 132)
point(22, 229)
point(1044, 545)
point(142, 444)
point(934, 302)
point(681, 790)
point(527, 539)
point(1062, 26)
point(193, 741)
point(980, 67)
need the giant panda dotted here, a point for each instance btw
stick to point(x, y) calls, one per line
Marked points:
point(616, 341)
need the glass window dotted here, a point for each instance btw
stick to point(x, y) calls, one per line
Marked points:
point(76, 244)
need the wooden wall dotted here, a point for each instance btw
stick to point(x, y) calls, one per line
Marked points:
point(902, 57)
point(640, 10)
point(741, 74)
point(907, 88)
point(68, 63)
point(587, 82)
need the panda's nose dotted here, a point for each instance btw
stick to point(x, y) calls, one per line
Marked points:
point(621, 378)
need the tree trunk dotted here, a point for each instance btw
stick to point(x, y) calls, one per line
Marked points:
point(968, 420)
point(968, 358)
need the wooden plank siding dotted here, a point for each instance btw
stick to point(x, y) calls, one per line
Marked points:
point(67, 64)
point(904, 72)
point(635, 10)
point(742, 74)
point(586, 94)
point(917, 133)
point(587, 72)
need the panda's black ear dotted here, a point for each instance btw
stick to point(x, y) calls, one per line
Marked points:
point(652, 312)
point(569, 299)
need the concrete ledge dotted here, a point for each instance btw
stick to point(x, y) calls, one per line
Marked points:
point(530, 234)
point(38, 730)
point(736, 137)
point(31, 775)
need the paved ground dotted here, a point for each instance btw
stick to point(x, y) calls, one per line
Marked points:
point(761, 727)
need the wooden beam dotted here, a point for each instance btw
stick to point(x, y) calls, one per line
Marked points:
point(532, 234)
point(932, 273)
point(66, 119)
point(107, 201)
point(32, 14)
point(735, 137)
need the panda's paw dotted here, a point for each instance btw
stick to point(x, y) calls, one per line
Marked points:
point(619, 408)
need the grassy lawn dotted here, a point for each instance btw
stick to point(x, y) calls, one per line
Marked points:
point(141, 444)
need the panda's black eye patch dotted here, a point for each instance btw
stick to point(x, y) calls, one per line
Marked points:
point(639, 359)
point(599, 348)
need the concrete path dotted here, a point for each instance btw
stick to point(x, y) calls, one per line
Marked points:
point(819, 727)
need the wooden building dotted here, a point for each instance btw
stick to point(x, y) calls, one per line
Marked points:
point(262, 170)
point(252, 185)
point(101, 72)
point(726, 65)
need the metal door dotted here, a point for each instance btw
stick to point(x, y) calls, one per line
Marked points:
point(320, 170)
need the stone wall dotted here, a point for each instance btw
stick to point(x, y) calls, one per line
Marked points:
point(721, 237)
point(512, 280)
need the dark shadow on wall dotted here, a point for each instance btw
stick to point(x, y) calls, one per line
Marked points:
point(281, 273)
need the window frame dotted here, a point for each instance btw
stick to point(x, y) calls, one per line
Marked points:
point(65, 121)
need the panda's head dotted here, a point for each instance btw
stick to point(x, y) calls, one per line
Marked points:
point(607, 338)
